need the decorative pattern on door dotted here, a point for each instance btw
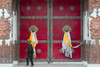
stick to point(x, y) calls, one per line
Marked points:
point(50, 16)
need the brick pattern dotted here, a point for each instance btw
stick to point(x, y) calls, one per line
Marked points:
point(91, 52)
point(94, 3)
point(4, 22)
point(95, 28)
point(4, 29)
point(95, 58)
point(4, 3)
point(87, 53)
point(6, 53)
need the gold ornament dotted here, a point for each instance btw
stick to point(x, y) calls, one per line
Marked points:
point(66, 28)
point(33, 28)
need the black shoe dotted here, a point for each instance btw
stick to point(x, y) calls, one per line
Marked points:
point(32, 65)
point(27, 64)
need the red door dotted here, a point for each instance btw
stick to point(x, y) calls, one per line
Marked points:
point(50, 16)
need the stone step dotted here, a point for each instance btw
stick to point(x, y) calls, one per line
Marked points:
point(50, 65)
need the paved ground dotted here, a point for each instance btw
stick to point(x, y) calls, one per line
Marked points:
point(50, 65)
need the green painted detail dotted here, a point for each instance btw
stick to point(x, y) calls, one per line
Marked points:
point(39, 51)
point(60, 51)
point(38, 7)
point(45, 41)
point(74, 17)
point(27, 17)
point(28, 8)
point(72, 8)
point(66, 17)
point(54, 17)
point(40, 41)
point(33, 17)
point(61, 8)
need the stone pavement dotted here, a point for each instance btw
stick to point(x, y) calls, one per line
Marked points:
point(50, 65)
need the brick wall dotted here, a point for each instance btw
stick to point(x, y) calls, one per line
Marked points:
point(92, 43)
point(95, 28)
point(6, 53)
point(4, 28)
point(6, 45)
point(95, 31)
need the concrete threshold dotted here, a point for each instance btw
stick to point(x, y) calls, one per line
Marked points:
point(53, 64)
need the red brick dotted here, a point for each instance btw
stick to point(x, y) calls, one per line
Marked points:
point(4, 28)
point(6, 53)
point(4, 3)
point(95, 28)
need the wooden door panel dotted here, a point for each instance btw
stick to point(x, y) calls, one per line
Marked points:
point(33, 8)
point(41, 49)
point(25, 24)
point(75, 25)
point(50, 16)
point(33, 12)
point(57, 49)
point(66, 7)
point(66, 12)
point(22, 50)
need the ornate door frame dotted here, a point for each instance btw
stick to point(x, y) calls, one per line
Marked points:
point(49, 41)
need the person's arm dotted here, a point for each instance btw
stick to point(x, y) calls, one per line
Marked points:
point(27, 50)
